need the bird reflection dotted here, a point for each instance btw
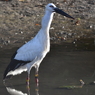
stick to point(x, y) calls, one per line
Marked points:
point(12, 91)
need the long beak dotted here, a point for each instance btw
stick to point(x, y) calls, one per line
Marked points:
point(62, 13)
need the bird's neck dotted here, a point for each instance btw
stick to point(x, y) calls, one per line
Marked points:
point(43, 34)
point(46, 21)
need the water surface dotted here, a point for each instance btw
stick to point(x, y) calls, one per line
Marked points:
point(61, 67)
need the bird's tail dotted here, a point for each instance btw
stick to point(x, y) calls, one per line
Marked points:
point(6, 72)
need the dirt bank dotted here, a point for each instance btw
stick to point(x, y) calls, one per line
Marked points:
point(20, 20)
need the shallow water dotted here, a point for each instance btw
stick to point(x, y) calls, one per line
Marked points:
point(63, 66)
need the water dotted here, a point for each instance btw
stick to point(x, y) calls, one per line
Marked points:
point(63, 66)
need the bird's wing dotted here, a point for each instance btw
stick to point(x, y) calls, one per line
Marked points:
point(24, 55)
point(14, 64)
point(29, 51)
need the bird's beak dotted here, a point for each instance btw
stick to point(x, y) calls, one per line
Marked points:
point(57, 10)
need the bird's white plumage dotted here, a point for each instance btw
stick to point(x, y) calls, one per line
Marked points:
point(33, 48)
point(36, 49)
point(40, 44)
point(32, 53)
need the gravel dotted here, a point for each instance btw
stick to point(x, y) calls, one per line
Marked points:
point(20, 21)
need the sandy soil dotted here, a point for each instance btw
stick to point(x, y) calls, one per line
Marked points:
point(20, 20)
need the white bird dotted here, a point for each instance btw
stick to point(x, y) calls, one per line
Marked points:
point(32, 53)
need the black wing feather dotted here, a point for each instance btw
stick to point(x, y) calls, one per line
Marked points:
point(14, 64)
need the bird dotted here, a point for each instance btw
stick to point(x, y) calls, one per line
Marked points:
point(33, 52)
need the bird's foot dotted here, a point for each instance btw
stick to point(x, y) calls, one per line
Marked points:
point(37, 91)
point(28, 87)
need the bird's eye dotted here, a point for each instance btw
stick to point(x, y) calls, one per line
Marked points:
point(51, 6)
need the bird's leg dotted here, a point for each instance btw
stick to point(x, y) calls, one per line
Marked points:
point(36, 77)
point(27, 81)
point(37, 83)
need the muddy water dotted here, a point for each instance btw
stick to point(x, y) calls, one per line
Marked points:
point(63, 66)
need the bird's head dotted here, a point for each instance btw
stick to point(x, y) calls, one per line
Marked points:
point(52, 8)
